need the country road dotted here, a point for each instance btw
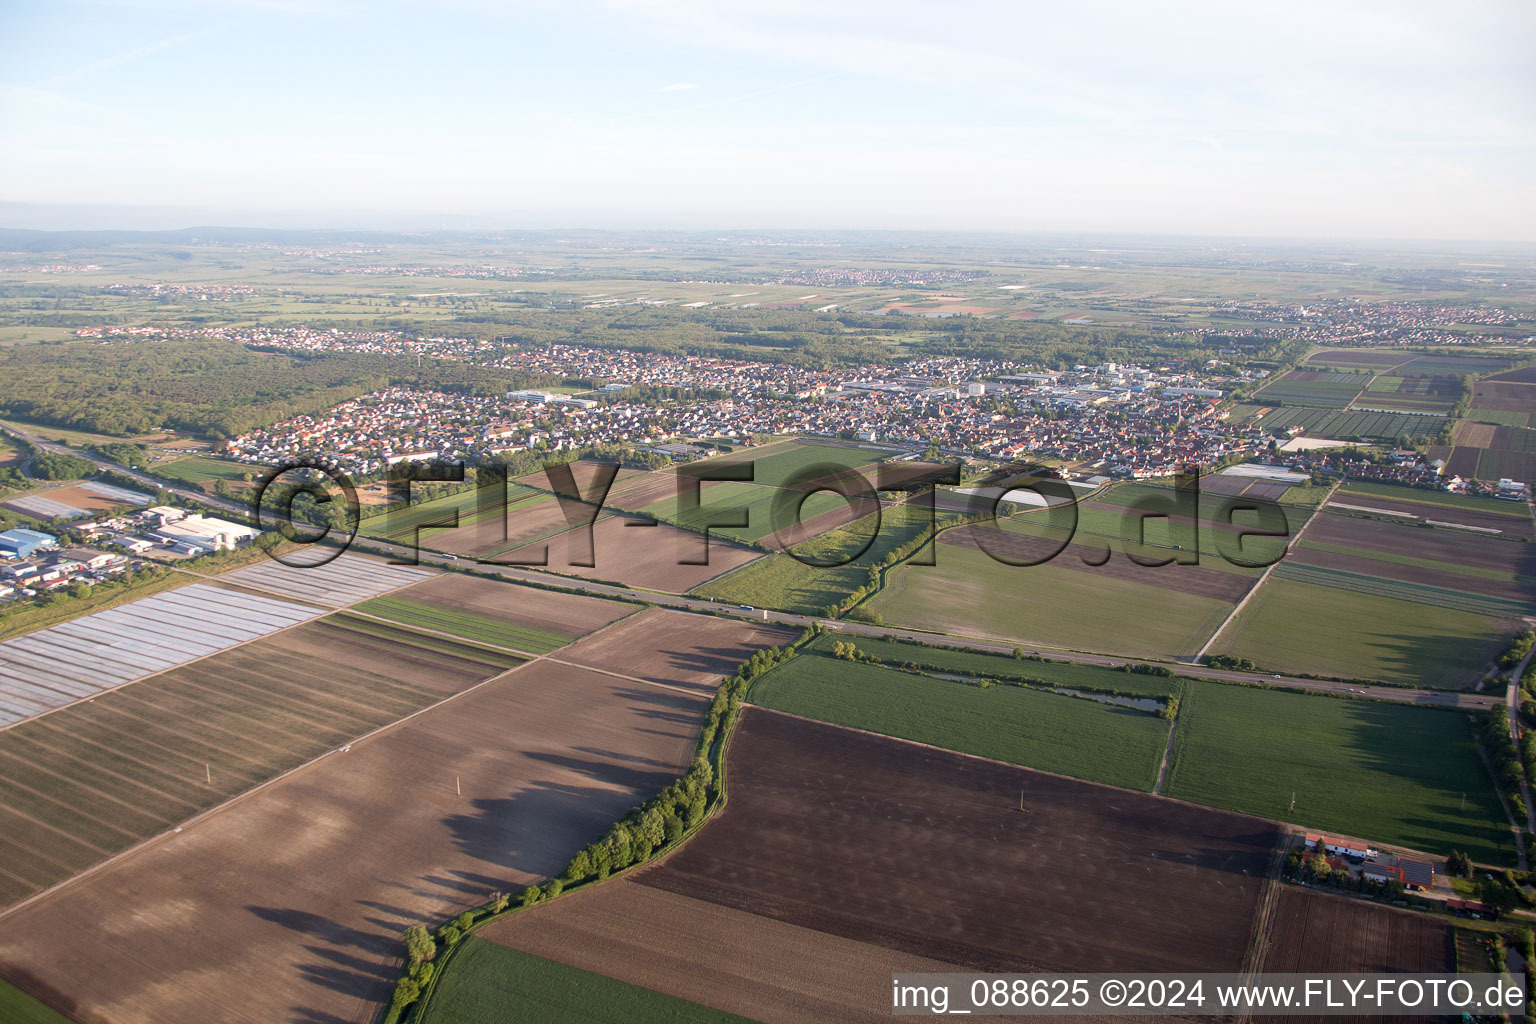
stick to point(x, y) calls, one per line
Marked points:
point(1516, 730)
point(1401, 695)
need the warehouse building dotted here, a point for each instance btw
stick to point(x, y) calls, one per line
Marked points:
point(21, 543)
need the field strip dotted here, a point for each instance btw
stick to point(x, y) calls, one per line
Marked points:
point(120, 636)
point(301, 603)
point(979, 757)
point(261, 786)
point(618, 675)
point(1200, 654)
point(446, 636)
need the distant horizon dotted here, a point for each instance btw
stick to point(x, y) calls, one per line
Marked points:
point(62, 218)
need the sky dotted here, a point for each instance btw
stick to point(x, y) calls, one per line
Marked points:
point(1334, 119)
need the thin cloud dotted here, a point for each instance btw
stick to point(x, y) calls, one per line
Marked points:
point(677, 87)
point(139, 53)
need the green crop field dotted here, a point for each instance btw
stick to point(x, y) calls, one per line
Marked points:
point(197, 470)
point(968, 593)
point(757, 500)
point(1334, 389)
point(16, 1007)
point(1438, 499)
point(1109, 514)
point(1397, 558)
point(1347, 424)
point(402, 521)
point(1301, 628)
point(782, 581)
point(1378, 771)
point(491, 984)
point(774, 464)
point(491, 658)
point(1001, 666)
point(1502, 417)
point(1069, 735)
point(467, 625)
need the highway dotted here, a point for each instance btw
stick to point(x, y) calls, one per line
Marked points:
point(1401, 695)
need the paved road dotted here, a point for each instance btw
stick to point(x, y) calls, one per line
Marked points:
point(143, 478)
point(1435, 698)
point(1512, 698)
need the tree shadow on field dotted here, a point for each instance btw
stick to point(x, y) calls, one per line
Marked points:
point(1411, 655)
point(663, 705)
point(649, 762)
point(535, 831)
point(367, 977)
point(715, 661)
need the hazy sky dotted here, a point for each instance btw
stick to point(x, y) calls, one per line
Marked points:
point(1389, 119)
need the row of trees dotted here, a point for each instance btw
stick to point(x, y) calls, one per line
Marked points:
point(640, 835)
point(1507, 764)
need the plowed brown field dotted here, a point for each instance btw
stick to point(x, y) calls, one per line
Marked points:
point(927, 852)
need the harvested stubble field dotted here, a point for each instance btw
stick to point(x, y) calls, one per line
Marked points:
point(1086, 739)
point(93, 779)
point(729, 959)
point(853, 835)
point(676, 648)
point(639, 553)
point(288, 905)
point(1315, 933)
point(1392, 773)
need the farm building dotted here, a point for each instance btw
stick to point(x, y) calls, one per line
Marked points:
point(1413, 874)
point(1342, 847)
point(20, 543)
